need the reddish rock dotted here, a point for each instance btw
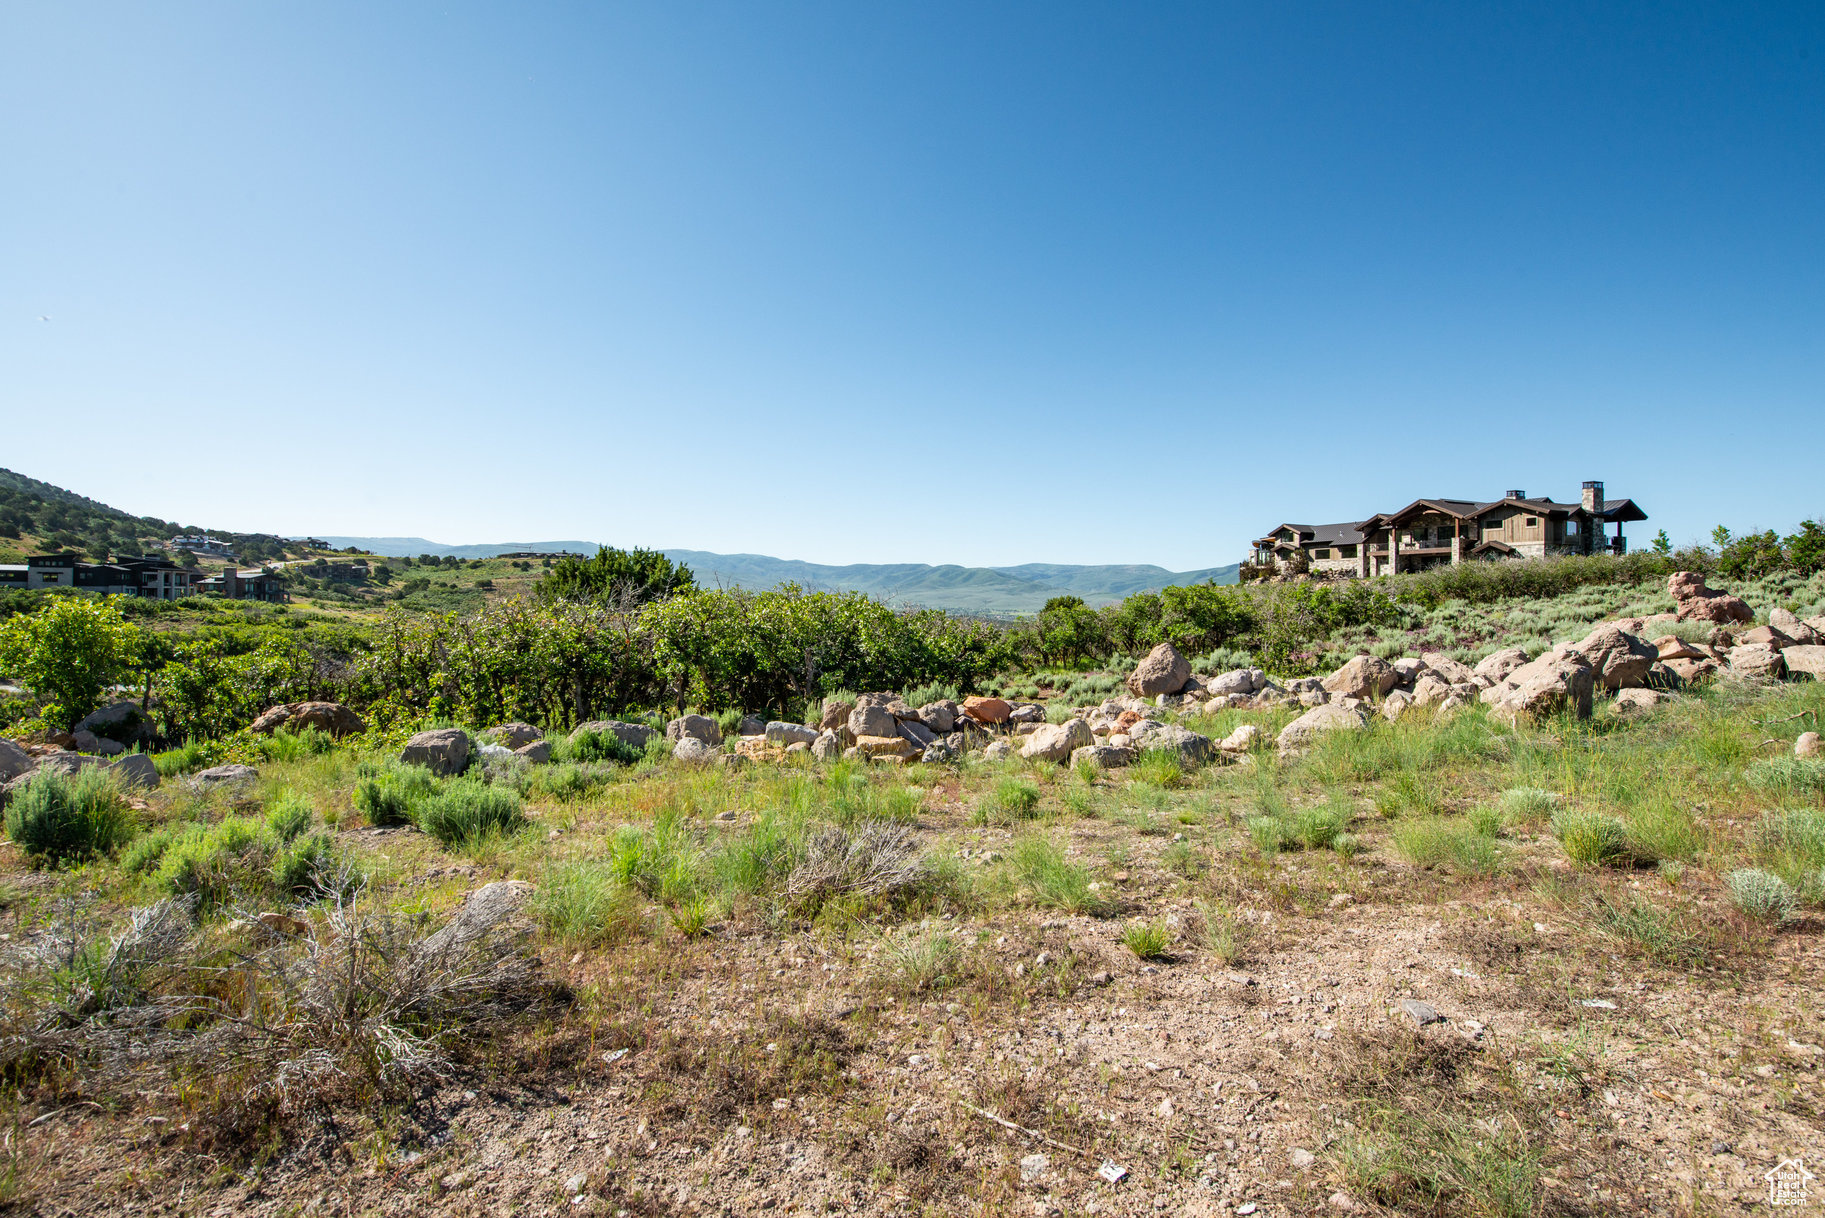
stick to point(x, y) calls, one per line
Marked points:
point(331, 717)
point(987, 710)
point(1697, 603)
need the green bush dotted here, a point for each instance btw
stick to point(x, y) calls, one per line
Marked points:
point(1447, 842)
point(1791, 844)
point(1013, 799)
point(389, 797)
point(261, 856)
point(287, 745)
point(467, 810)
point(566, 781)
point(187, 758)
point(1524, 805)
point(1148, 940)
point(1788, 775)
point(56, 817)
point(1158, 767)
point(599, 747)
point(1591, 838)
point(584, 903)
point(1317, 827)
point(1761, 895)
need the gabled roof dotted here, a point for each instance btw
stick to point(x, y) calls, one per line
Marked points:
point(1342, 533)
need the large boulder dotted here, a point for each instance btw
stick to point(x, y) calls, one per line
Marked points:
point(1363, 677)
point(1494, 668)
point(869, 719)
point(1164, 671)
point(1672, 647)
point(1331, 717)
point(1556, 682)
point(1236, 682)
point(331, 717)
point(634, 734)
point(694, 749)
point(1027, 712)
point(836, 713)
point(1789, 624)
point(1695, 602)
point(1757, 661)
point(895, 746)
point(916, 731)
point(1807, 658)
point(1428, 690)
point(101, 746)
point(135, 771)
point(1057, 741)
point(442, 750)
point(828, 746)
point(1447, 669)
point(119, 721)
point(751, 725)
point(225, 777)
point(537, 752)
point(1103, 756)
point(694, 727)
point(1192, 748)
point(1618, 660)
point(513, 735)
point(940, 716)
point(987, 710)
point(15, 761)
point(1691, 672)
point(785, 735)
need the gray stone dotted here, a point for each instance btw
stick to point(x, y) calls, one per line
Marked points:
point(494, 752)
point(513, 735)
point(1105, 756)
point(1163, 671)
point(1363, 677)
point(1757, 661)
point(753, 725)
point(1027, 712)
point(1397, 704)
point(1789, 624)
point(442, 750)
point(938, 753)
point(14, 761)
point(940, 716)
point(1057, 741)
point(1558, 681)
point(1244, 738)
point(1808, 658)
point(135, 770)
point(1192, 748)
point(1429, 690)
point(693, 749)
point(538, 752)
point(1333, 717)
point(1618, 659)
point(485, 910)
point(693, 727)
point(635, 734)
point(1237, 681)
point(1447, 669)
point(222, 777)
point(101, 746)
point(1634, 701)
point(828, 746)
point(998, 750)
point(780, 732)
point(1808, 745)
point(1494, 668)
point(119, 721)
point(869, 719)
point(916, 731)
point(1421, 1013)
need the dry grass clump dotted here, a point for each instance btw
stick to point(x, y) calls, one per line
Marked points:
point(867, 859)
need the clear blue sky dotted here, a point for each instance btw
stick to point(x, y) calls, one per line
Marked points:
point(977, 283)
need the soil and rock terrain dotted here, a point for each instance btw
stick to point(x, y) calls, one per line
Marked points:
point(1532, 935)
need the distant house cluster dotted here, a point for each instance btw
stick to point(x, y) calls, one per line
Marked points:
point(153, 578)
point(203, 544)
point(1430, 532)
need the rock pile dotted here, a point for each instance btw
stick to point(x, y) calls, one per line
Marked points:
point(1695, 602)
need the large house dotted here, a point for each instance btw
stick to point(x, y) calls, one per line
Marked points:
point(125, 575)
point(1429, 532)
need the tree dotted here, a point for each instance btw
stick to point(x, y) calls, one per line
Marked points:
point(1663, 545)
point(70, 652)
point(624, 578)
point(1806, 548)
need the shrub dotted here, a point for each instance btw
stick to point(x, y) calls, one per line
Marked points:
point(925, 695)
point(185, 759)
point(601, 746)
point(1590, 837)
point(1761, 895)
point(1486, 821)
point(1226, 936)
point(260, 856)
point(466, 810)
point(1788, 775)
point(57, 817)
point(872, 859)
point(566, 781)
point(1051, 880)
point(286, 745)
point(1317, 827)
point(1013, 799)
point(919, 962)
point(1444, 842)
point(1148, 940)
point(289, 815)
point(584, 904)
point(1791, 843)
point(1270, 834)
point(1523, 805)
point(389, 797)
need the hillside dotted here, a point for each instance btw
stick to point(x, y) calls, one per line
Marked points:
point(37, 516)
point(991, 590)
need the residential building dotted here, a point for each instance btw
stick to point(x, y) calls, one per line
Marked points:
point(1430, 532)
point(239, 585)
point(121, 575)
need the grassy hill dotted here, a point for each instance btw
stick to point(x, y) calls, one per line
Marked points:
point(36, 517)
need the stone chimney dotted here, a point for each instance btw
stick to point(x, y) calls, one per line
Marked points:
point(231, 581)
point(1593, 498)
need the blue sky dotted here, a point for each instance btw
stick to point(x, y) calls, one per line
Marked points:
point(947, 283)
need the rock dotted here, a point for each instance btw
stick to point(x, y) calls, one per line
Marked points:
point(331, 717)
point(1421, 1013)
point(1496, 667)
point(1033, 1167)
point(1104, 756)
point(494, 752)
point(224, 776)
point(135, 770)
point(1695, 602)
point(513, 735)
point(1672, 647)
point(1447, 669)
point(1237, 681)
point(751, 725)
point(1808, 745)
point(916, 731)
point(788, 734)
point(485, 910)
point(101, 746)
point(635, 734)
point(828, 746)
point(1313, 697)
point(538, 752)
point(1789, 624)
point(938, 753)
point(1758, 662)
point(940, 716)
point(1542, 688)
point(1618, 660)
point(1057, 741)
point(1808, 658)
point(1027, 712)
point(442, 750)
point(1767, 636)
point(987, 710)
point(1163, 671)
point(1242, 739)
point(1407, 669)
point(999, 750)
point(1397, 704)
point(836, 713)
point(1633, 701)
point(1331, 718)
point(1690, 672)
point(895, 745)
point(797, 747)
point(1301, 1158)
point(871, 720)
point(1363, 677)
point(694, 727)
point(1192, 748)
point(694, 749)
point(1429, 690)
point(14, 761)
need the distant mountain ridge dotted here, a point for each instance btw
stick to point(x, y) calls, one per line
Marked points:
point(1018, 589)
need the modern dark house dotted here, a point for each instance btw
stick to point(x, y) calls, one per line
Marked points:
point(1429, 532)
point(124, 575)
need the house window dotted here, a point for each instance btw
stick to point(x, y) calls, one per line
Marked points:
point(1533, 522)
point(1346, 551)
point(1321, 553)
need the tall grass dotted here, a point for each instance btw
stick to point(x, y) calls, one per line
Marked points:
point(1041, 868)
point(466, 811)
point(57, 817)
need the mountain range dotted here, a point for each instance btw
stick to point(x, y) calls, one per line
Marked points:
point(988, 590)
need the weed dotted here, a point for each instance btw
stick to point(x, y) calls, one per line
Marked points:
point(919, 963)
point(57, 817)
point(1761, 895)
point(1527, 805)
point(1440, 841)
point(467, 810)
point(1226, 936)
point(1147, 940)
point(1041, 868)
point(1591, 838)
point(1788, 776)
point(388, 797)
point(584, 903)
point(597, 746)
point(1158, 767)
point(1791, 844)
